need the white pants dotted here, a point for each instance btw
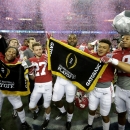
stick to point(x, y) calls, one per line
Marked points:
point(40, 89)
point(122, 101)
point(14, 100)
point(61, 87)
point(103, 97)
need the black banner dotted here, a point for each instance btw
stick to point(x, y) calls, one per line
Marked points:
point(14, 79)
point(70, 63)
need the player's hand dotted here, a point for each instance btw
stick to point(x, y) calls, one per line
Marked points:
point(48, 35)
point(46, 59)
point(31, 70)
point(26, 64)
point(105, 59)
point(94, 43)
point(24, 58)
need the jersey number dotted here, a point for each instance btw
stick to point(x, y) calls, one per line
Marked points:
point(125, 59)
point(38, 66)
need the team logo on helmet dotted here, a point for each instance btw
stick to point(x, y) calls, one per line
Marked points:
point(71, 61)
point(81, 100)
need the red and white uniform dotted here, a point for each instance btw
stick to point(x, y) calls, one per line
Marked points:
point(124, 56)
point(108, 74)
point(63, 86)
point(122, 99)
point(14, 100)
point(42, 74)
point(43, 82)
point(102, 93)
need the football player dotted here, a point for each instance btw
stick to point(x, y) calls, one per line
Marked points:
point(122, 99)
point(102, 93)
point(24, 46)
point(63, 86)
point(10, 56)
point(28, 53)
point(42, 83)
point(14, 43)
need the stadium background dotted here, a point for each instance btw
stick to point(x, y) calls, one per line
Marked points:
point(89, 19)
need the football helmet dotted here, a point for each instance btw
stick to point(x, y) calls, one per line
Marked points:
point(121, 22)
point(81, 99)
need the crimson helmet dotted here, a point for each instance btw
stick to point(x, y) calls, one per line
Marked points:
point(81, 100)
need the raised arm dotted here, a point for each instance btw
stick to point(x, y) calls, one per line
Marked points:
point(3, 45)
point(118, 64)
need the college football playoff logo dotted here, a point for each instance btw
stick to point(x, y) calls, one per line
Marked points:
point(71, 61)
point(4, 72)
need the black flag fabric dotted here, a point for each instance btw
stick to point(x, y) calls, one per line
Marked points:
point(14, 79)
point(3, 45)
point(72, 64)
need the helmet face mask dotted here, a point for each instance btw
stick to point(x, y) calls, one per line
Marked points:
point(121, 23)
point(81, 100)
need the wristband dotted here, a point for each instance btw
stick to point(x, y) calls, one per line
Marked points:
point(114, 61)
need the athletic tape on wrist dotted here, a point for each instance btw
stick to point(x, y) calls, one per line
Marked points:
point(114, 61)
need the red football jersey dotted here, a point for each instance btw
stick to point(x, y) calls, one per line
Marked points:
point(124, 56)
point(108, 74)
point(42, 74)
point(23, 48)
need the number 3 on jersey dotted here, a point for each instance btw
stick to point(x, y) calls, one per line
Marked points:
point(40, 68)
